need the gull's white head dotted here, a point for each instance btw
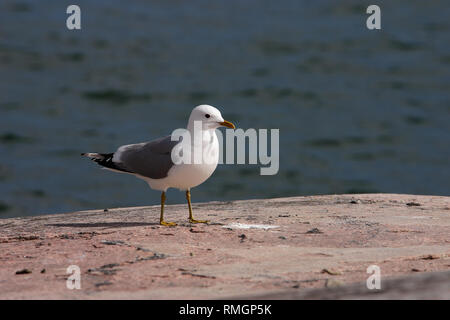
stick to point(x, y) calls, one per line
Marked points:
point(210, 117)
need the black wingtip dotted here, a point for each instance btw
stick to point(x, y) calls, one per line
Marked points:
point(83, 154)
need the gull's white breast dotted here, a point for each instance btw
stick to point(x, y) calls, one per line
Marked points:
point(186, 176)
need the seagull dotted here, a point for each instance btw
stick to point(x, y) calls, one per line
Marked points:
point(153, 161)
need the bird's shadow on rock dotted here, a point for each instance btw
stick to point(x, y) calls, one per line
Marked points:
point(103, 224)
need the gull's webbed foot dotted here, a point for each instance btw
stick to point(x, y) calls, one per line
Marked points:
point(167, 224)
point(191, 220)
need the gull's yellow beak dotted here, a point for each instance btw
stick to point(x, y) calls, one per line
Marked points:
point(227, 124)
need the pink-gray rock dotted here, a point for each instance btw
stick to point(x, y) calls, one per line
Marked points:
point(252, 248)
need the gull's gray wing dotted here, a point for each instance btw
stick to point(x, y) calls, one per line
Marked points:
point(149, 159)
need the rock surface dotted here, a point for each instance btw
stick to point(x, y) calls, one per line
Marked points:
point(283, 248)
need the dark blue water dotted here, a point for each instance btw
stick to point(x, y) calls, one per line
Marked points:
point(358, 110)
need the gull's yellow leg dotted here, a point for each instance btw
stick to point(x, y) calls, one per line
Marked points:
point(161, 218)
point(191, 218)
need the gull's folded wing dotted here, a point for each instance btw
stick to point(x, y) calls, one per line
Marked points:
point(149, 159)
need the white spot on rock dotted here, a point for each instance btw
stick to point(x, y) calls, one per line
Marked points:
point(250, 226)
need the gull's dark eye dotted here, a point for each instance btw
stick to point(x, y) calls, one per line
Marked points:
point(207, 115)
